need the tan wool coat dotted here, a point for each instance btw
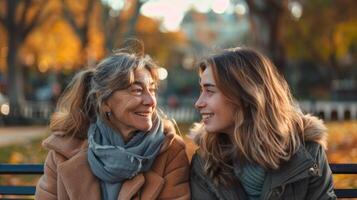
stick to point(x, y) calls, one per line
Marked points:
point(67, 174)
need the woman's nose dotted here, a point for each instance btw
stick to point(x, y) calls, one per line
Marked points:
point(200, 103)
point(149, 99)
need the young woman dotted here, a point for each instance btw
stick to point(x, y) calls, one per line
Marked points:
point(254, 141)
point(108, 141)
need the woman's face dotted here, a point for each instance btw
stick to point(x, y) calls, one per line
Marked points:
point(217, 112)
point(132, 109)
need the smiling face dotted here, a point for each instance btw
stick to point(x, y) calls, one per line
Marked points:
point(132, 108)
point(217, 112)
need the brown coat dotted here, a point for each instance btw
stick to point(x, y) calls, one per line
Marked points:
point(67, 174)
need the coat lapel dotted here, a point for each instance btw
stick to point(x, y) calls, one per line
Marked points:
point(131, 187)
point(153, 185)
point(78, 179)
point(293, 170)
point(149, 185)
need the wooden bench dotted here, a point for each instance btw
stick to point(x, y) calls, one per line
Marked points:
point(38, 169)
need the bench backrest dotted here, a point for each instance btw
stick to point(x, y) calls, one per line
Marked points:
point(38, 169)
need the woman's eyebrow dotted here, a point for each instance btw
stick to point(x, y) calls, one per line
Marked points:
point(208, 85)
point(140, 83)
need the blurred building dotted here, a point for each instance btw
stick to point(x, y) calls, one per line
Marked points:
point(207, 32)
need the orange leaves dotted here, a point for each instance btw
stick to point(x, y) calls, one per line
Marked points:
point(342, 142)
point(342, 148)
point(16, 157)
point(56, 49)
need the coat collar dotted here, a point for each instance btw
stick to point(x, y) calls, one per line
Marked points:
point(77, 178)
point(81, 183)
point(69, 146)
point(297, 168)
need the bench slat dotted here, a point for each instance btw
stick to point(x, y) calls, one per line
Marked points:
point(344, 168)
point(17, 190)
point(21, 169)
point(38, 169)
point(346, 193)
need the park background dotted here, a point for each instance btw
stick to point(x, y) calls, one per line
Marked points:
point(43, 43)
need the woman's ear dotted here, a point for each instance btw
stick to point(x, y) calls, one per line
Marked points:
point(106, 107)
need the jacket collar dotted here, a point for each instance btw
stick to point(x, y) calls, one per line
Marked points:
point(297, 168)
point(233, 191)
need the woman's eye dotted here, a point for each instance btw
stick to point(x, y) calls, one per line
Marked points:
point(137, 91)
point(210, 91)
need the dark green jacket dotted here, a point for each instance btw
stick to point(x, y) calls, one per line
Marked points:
point(306, 175)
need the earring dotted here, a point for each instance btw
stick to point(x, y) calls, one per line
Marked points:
point(108, 114)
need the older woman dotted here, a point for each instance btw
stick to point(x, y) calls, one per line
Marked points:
point(254, 141)
point(108, 141)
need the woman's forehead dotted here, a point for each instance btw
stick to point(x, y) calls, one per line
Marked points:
point(207, 76)
point(143, 76)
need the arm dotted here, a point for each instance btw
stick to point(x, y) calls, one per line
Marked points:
point(47, 185)
point(321, 186)
point(176, 175)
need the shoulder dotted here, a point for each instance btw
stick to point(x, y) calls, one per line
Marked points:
point(314, 130)
point(196, 170)
point(172, 157)
point(202, 187)
point(175, 148)
point(172, 142)
point(65, 145)
point(197, 165)
point(314, 148)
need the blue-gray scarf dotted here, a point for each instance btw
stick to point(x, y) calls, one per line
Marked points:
point(113, 161)
point(252, 178)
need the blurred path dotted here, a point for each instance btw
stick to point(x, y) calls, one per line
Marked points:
point(18, 135)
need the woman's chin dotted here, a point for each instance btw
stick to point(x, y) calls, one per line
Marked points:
point(145, 128)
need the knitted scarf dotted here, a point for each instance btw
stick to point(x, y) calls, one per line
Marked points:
point(113, 161)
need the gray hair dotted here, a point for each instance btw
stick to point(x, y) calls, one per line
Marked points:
point(83, 98)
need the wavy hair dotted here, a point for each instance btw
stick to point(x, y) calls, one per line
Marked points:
point(268, 124)
point(83, 98)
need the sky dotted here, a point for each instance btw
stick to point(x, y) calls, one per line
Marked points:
point(172, 12)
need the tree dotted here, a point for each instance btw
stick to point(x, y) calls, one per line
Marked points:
point(20, 18)
point(266, 17)
point(79, 20)
point(118, 25)
point(335, 37)
point(115, 24)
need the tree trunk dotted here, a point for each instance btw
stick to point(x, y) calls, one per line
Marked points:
point(266, 28)
point(15, 78)
point(131, 32)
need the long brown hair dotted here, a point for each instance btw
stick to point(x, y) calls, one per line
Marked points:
point(82, 99)
point(268, 123)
